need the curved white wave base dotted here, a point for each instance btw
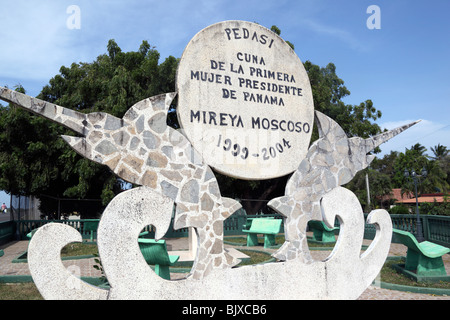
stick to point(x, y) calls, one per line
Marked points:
point(53, 280)
point(345, 274)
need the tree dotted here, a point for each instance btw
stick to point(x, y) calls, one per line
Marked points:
point(27, 155)
point(35, 161)
point(380, 187)
point(436, 179)
point(442, 157)
point(278, 32)
point(440, 152)
point(386, 164)
point(328, 91)
point(380, 173)
point(416, 159)
point(413, 159)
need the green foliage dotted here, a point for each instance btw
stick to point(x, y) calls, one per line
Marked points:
point(435, 208)
point(388, 173)
point(399, 209)
point(440, 152)
point(28, 151)
point(276, 30)
point(380, 188)
point(416, 159)
point(328, 91)
point(98, 266)
point(36, 161)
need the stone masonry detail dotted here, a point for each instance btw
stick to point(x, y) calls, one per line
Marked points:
point(143, 150)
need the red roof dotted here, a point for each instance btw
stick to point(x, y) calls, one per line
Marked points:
point(409, 198)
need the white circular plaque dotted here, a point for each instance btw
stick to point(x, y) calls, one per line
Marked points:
point(245, 101)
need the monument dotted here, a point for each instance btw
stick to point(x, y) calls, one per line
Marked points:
point(245, 106)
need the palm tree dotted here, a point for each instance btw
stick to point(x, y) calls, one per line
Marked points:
point(436, 179)
point(440, 152)
point(420, 149)
point(416, 159)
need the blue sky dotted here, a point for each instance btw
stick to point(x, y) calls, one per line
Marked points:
point(403, 67)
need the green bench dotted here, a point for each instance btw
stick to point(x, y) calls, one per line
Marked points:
point(266, 226)
point(155, 253)
point(249, 221)
point(321, 233)
point(425, 258)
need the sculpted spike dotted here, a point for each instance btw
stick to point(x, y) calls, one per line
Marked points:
point(69, 118)
point(385, 136)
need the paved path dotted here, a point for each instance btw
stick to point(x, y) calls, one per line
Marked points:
point(84, 267)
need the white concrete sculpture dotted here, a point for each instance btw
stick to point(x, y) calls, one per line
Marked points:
point(142, 149)
point(345, 274)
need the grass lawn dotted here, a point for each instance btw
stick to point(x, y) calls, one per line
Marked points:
point(388, 274)
point(19, 291)
point(28, 291)
point(76, 249)
point(79, 249)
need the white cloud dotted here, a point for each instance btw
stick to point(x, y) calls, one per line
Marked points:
point(335, 32)
point(426, 132)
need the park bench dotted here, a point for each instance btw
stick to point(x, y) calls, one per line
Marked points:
point(268, 227)
point(425, 257)
point(321, 233)
point(248, 223)
point(155, 253)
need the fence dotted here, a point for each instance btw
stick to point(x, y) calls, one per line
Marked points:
point(18, 230)
point(435, 228)
point(24, 207)
point(7, 231)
